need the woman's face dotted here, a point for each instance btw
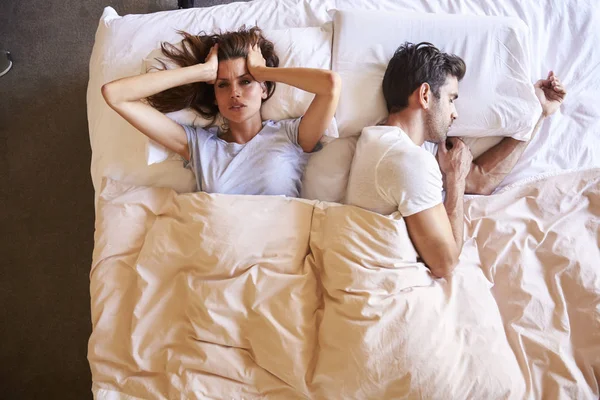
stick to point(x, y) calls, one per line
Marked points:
point(238, 95)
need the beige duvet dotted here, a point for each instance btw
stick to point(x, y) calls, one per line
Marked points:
point(201, 296)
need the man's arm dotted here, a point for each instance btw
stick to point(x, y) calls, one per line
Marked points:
point(437, 233)
point(454, 205)
point(489, 169)
point(431, 233)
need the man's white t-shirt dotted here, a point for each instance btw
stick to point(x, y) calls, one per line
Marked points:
point(391, 173)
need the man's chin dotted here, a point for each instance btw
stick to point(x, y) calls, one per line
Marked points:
point(441, 139)
point(444, 136)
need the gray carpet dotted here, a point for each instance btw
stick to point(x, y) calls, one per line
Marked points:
point(47, 215)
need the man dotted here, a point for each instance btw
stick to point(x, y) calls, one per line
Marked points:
point(392, 171)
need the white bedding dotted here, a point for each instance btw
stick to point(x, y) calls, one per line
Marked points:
point(527, 289)
point(199, 296)
point(563, 36)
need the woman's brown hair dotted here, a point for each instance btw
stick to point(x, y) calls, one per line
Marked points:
point(194, 48)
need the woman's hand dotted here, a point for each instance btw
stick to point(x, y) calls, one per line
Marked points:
point(324, 84)
point(212, 63)
point(255, 61)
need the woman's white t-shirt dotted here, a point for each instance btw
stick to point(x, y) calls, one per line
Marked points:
point(272, 163)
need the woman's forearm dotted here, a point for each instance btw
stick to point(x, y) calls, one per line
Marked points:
point(317, 81)
point(139, 87)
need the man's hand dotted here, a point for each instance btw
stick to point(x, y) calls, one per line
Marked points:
point(455, 160)
point(551, 93)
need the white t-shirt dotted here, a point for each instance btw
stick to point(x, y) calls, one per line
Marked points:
point(391, 173)
point(272, 163)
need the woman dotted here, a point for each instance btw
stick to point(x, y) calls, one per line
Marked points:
point(244, 155)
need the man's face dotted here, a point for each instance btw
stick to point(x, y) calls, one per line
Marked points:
point(442, 112)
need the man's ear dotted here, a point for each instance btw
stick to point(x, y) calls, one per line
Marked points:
point(425, 95)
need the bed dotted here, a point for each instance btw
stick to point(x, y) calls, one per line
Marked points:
point(197, 295)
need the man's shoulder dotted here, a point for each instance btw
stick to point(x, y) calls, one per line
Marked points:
point(390, 144)
point(381, 138)
point(407, 149)
point(378, 131)
point(408, 157)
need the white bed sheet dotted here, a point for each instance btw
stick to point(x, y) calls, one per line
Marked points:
point(564, 36)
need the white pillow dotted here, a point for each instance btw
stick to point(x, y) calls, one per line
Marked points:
point(327, 171)
point(496, 95)
point(296, 47)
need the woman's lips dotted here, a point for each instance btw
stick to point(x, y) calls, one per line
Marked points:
point(237, 107)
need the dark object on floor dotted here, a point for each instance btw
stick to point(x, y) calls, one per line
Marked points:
point(185, 3)
point(5, 62)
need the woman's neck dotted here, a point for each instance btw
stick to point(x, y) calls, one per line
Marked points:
point(243, 132)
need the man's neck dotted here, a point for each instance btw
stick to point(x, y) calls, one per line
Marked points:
point(410, 123)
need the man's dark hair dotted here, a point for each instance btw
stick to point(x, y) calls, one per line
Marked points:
point(414, 64)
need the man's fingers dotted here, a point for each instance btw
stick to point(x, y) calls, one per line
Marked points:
point(558, 89)
point(442, 148)
point(555, 96)
point(455, 143)
point(455, 140)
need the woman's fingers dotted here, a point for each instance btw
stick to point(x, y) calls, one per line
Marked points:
point(213, 51)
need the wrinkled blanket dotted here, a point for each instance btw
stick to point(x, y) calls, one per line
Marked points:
point(207, 296)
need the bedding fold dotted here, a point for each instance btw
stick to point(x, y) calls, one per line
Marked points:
point(201, 295)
